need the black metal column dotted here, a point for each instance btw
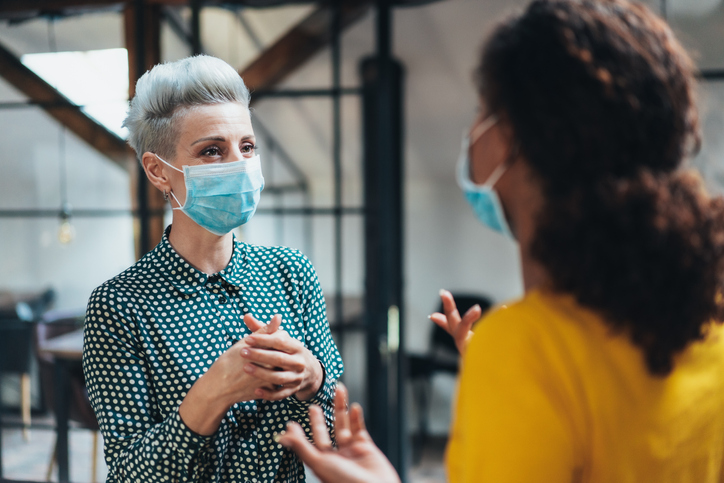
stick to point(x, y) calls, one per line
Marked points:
point(144, 217)
point(382, 79)
point(196, 27)
point(1, 439)
point(62, 395)
point(336, 53)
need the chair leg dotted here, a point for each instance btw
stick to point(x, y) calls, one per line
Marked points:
point(25, 404)
point(94, 457)
point(51, 463)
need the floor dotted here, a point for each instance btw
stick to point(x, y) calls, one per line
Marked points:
point(429, 467)
point(28, 460)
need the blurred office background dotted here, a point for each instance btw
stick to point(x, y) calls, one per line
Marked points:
point(377, 210)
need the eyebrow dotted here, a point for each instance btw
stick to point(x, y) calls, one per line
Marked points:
point(221, 139)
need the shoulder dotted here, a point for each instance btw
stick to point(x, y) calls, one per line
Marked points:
point(290, 261)
point(541, 333)
point(512, 324)
point(119, 292)
point(125, 282)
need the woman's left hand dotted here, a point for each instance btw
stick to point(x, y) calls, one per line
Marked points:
point(295, 369)
point(356, 458)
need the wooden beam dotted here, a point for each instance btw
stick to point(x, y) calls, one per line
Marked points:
point(52, 5)
point(24, 9)
point(33, 8)
point(62, 110)
point(151, 43)
point(149, 225)
point(298, 45)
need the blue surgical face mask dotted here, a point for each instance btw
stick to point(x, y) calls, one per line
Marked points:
point(482, 197)
point(221, 196)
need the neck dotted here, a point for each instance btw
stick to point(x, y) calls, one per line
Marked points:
point(202, 249)
point(534, 275)
point(522, 209)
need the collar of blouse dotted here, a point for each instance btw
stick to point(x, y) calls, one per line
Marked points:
point(187, 279)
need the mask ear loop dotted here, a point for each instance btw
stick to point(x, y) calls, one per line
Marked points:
point(495, 175)
point(500, 170)
point(476, 133)
point(482, 128)
point(165, 195)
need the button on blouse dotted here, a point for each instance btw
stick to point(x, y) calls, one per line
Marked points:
point(151, 331)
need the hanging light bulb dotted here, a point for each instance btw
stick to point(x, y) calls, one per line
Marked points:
point(66, 232)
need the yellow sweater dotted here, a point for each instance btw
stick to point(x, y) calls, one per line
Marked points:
point(548, 394)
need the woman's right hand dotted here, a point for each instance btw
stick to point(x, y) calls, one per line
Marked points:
point(224, 384)
point(458, 327)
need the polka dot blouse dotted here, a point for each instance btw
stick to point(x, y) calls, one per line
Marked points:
point(154, 329)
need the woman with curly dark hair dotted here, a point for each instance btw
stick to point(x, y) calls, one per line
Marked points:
point(611, 367)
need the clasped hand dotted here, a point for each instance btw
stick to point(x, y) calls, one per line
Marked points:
point(268, 364)
point(281, 361)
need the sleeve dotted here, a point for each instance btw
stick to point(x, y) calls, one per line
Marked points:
point(318, 339)
point(139, 444)
point(509, 423)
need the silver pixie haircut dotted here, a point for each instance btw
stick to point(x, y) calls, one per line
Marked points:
point(166, 92)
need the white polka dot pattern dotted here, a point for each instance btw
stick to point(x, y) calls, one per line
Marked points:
point(154, 329)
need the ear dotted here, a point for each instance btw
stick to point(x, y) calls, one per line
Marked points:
point(155, 172)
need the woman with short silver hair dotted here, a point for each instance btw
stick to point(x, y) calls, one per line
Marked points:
point(197, 355)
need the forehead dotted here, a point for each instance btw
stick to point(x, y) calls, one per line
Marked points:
point(228, 118)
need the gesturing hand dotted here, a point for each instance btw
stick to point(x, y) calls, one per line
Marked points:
point(458, 328)
point(284, 363)
point(356, 460)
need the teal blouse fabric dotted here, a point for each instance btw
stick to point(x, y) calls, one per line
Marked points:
point(154, 329)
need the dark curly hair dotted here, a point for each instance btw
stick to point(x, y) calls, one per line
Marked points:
point(600, 97)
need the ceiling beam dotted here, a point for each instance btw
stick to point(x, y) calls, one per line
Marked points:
point(272, 66)
point(298, 45)
point(62, 110)
point(275, 63)
point(27, 9)
point(24, 9)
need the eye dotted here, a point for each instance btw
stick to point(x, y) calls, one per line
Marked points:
point(211, 151)
point(248, 148)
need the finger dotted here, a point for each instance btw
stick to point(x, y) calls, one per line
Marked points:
point(341, 417)
point(268, 394)
point(451, 310)
point(441, 320)
point(252, 323)
point(274, 324)
point(272, 359)
point(271, 376)
point(470, 317)
point(320, 433)
point(297, 441)
point(280, 341)
point(356, 419)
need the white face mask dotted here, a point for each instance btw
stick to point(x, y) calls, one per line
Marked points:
point(483, 199)
point(221, 196)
